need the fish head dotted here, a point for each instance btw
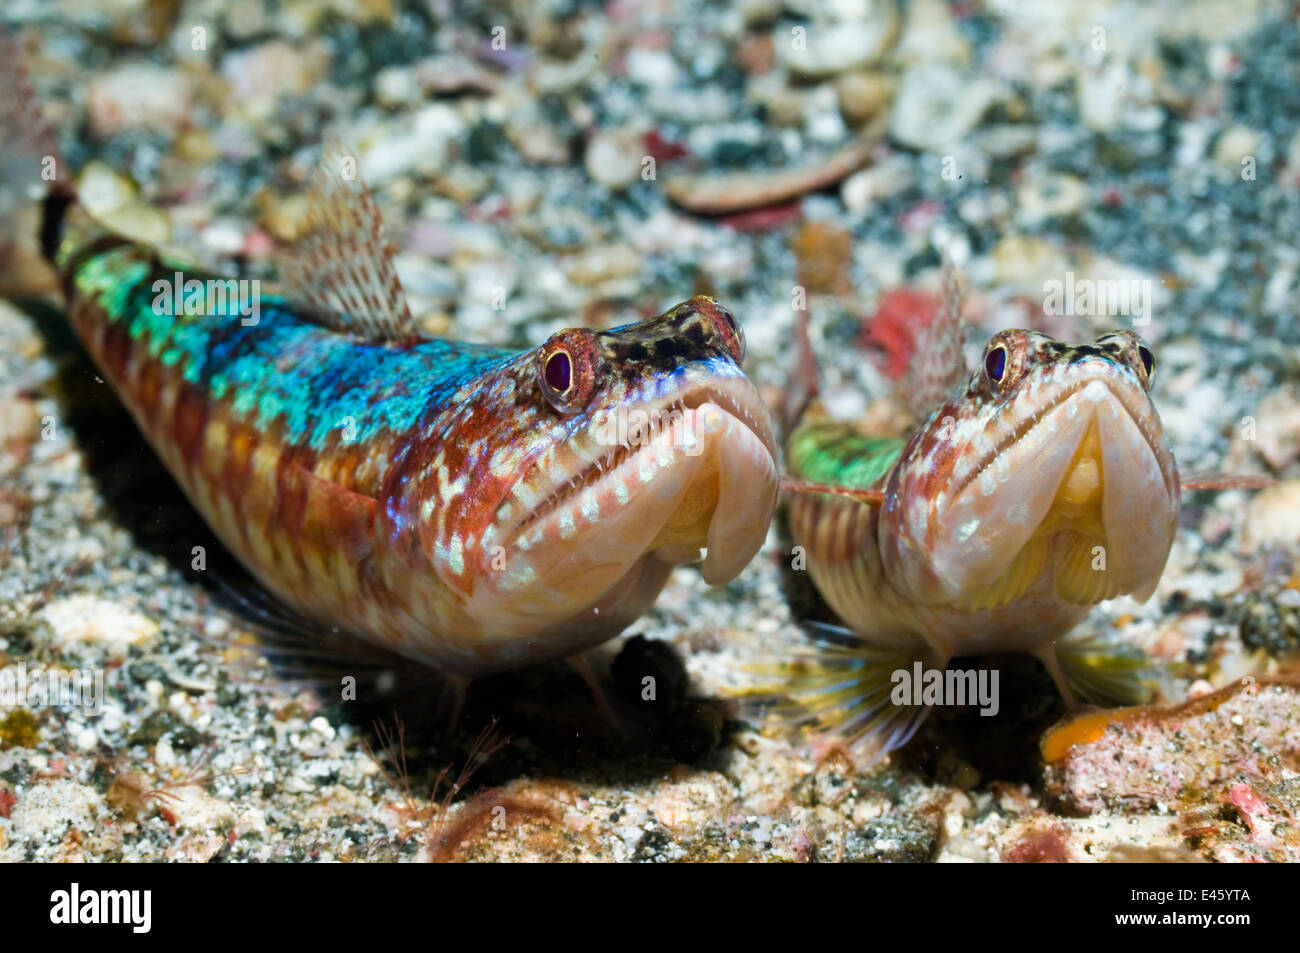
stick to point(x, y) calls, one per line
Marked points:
point(607, 458)
point(1050, 461)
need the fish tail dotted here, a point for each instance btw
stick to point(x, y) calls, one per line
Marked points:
point(1101, 670)
point(839, 694)
point(36, 188)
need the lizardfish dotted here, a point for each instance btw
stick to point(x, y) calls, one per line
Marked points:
point(471, 507)
point(1036, 487)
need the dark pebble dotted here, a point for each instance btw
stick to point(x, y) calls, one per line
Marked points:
point(164, 723)
point(644, 658)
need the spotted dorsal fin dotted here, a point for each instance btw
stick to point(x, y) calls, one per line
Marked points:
point(340, 268)
point(802, 388)
point(937, 365)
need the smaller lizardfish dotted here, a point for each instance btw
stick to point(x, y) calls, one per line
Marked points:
point(1034, 488)
point(470, 507)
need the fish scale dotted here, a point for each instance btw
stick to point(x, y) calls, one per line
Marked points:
point(252, 419)
point(1040, 485)
point(474, 508)
point(242, 436)
point(1030, 490)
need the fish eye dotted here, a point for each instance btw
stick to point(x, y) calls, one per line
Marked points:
point(734, 333)
point(567, 369)
point(559, 372)
point(1148, 361)
point(995, 363)
point(724, 322)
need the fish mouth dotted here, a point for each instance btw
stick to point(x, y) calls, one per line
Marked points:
point(1079, 500)
point(662, 480)
point(1135, 403)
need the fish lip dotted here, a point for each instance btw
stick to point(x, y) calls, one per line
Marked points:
point(1070, 390)
point(1135, 468)
point(735, 396)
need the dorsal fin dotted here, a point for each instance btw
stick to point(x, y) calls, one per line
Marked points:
point(341, 265)
point(937, 365)
point(802, 387)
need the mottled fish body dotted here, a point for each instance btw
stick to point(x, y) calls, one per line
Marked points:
point(425, 494)
point(472, 507)
point(1014, 508)
point(1040, 486)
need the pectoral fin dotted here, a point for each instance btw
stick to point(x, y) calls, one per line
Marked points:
point(840, 693)
point(1100, 670)
point(338, 518)
point(791, 485)
point(1225, 481)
